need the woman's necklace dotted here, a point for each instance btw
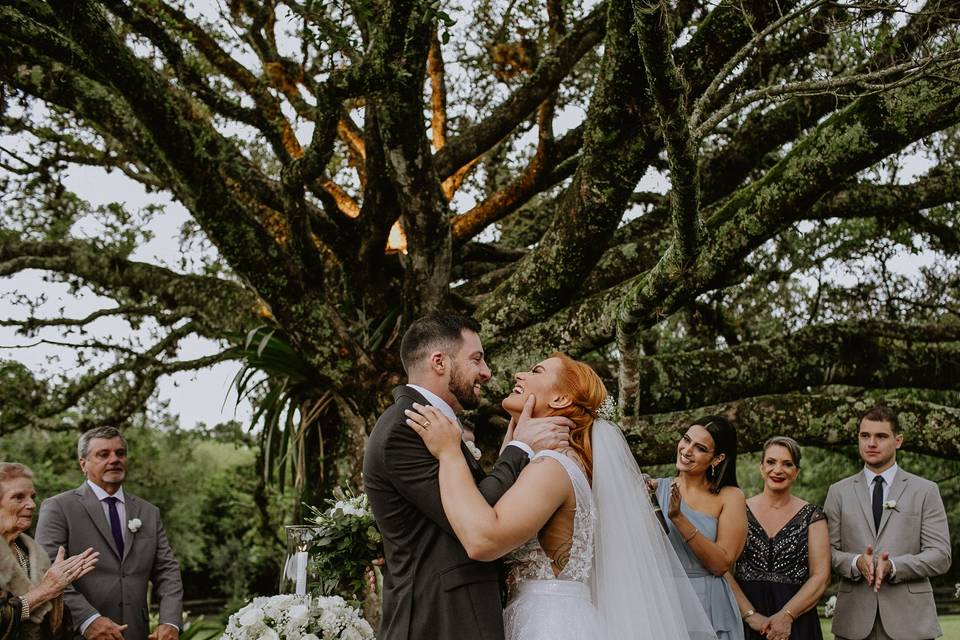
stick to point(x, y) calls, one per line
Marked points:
point(22, 560)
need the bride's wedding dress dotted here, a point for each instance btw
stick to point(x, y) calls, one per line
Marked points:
point(543, 606)
point(621, 579)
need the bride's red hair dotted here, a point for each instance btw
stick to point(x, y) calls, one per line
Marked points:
point(579, 381)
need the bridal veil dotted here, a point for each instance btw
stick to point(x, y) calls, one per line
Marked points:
point(638, 584)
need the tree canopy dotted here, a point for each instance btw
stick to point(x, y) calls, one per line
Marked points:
point(710, 201)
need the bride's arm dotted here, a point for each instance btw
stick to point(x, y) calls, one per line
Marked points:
point(486, 532)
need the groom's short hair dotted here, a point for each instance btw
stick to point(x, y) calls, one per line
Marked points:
point(443, 331)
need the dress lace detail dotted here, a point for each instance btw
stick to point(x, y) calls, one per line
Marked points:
point(530, 562)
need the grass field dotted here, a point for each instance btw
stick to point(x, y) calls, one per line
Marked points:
point(949, 624)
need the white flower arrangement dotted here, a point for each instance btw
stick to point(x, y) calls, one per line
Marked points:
point(473, 449)
point(830, 607)
point(134, 525)
point(289, 617)
point(347, 541)
point(890, 504)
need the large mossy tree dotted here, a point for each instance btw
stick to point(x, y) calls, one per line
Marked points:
point(511, 140)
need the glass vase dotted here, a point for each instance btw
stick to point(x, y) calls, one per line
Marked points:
point(296, 577)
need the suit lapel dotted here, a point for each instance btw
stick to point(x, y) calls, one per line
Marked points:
point(900, 482)
point(472, 462)
point(95, 511)
point(132, 507)
point(860, 487)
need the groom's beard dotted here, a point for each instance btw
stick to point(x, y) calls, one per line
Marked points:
point(462, 389)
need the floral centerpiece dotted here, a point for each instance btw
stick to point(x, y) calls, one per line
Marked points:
point(292, 617)
point(346, 543)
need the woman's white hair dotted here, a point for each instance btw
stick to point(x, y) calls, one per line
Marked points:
point(11, 471)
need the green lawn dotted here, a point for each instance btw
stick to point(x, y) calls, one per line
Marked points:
point(950, 625)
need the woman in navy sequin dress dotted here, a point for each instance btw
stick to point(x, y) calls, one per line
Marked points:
point(785, 566)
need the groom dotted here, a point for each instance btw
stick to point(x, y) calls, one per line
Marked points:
point(431, 588)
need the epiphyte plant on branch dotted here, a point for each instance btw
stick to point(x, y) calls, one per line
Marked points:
point(709, 200)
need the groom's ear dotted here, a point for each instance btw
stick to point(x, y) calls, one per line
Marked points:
point(560, 402)
point(437, 363)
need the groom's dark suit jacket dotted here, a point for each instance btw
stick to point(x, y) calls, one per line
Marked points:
point(431, 589)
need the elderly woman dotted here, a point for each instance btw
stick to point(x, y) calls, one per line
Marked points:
point(785, 566)
point(30, 586)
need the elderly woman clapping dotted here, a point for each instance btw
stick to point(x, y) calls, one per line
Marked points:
point(30, 586)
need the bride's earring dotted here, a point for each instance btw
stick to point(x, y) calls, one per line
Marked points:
point(712, 472)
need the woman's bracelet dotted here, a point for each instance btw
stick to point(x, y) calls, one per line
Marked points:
point(749, 613)
point(24, 608)
point(790, 613)
point(691, 536)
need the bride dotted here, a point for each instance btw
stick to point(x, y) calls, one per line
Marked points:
point(589, 557)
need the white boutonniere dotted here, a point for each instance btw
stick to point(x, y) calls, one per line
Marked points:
point(474, 451)
point(890, 504)
point(134, 525)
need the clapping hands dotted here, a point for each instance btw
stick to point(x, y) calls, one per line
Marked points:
point(874, 568)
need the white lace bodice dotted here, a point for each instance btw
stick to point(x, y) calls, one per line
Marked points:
point(530, 562)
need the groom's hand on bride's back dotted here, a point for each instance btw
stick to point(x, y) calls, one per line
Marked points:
point(551, 432)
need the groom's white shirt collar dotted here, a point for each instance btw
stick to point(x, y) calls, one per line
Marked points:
point(445, 409)
point(436, 401)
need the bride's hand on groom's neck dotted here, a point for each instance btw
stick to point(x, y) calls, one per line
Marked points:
point(550, 432)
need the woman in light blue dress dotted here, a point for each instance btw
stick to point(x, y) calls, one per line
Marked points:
point(707, 517)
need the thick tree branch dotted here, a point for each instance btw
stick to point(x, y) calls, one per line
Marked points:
point(550, 72)
point(670, 95)
point(818, 420)
point(864, 354)
point(856, 138)
point(217, 306)
point(438, 94)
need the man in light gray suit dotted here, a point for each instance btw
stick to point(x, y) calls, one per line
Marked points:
point(110, 603)
point(888, 530)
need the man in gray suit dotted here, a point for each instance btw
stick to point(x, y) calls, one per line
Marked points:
point(888, 530)
point(110, 603)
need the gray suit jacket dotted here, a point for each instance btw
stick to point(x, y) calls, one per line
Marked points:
point(916, 536)
point(117, 588)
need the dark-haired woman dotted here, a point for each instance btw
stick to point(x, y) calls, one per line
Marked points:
point(707, 517)
point(785, 567)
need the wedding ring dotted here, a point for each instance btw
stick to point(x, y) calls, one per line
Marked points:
point(426, 423)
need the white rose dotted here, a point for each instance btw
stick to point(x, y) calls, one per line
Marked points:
point(890, 504)
point(134, 525)
point(351, 634)
point(298, 614)
point(251, 617)
point(269, 634)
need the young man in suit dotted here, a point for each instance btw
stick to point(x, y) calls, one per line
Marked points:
point(110, 603)
point(888, 530)
point(431, 588)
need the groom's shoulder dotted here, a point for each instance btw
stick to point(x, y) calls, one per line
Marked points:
point(394, 416)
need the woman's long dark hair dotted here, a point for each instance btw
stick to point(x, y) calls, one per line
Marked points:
point(724, 441)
